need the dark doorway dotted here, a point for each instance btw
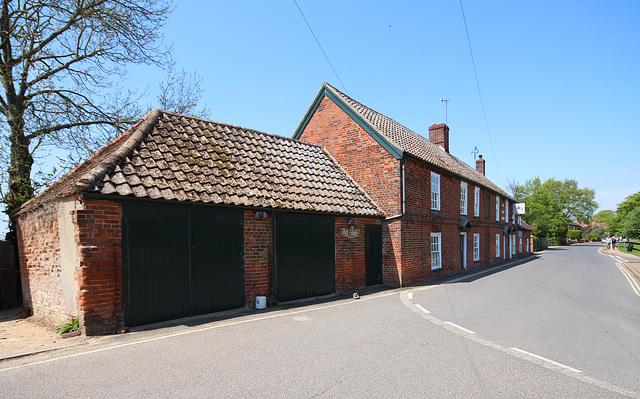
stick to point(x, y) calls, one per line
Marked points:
point(305, 256)
point(180, 261)
point(487, 247)
point(463, 251)
point(373, 254)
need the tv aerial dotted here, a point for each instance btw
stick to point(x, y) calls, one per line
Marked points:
point(446, 104)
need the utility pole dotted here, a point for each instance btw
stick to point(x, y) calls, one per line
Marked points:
point(446, 103)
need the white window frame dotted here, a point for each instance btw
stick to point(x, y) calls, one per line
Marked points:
point(436, 249)
point(476, 246)
point(506, 210)
point(497, 208)
point(464, 195)
point(520, 245)
point(435, 191)
point(476, 202)
point(497, 245)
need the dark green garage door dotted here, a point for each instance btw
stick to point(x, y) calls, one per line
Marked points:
point(181, 261)
point(305, 256)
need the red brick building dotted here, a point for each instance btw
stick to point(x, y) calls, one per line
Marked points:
point(181, 216)
point(441, 215)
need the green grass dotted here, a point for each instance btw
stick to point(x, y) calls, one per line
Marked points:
point(636, 247)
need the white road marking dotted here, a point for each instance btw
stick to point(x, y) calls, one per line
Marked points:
point(421, 308)
point(544, 359)
point(410, 295)
point(519, 353)
point(454, 325)
point(630, 279)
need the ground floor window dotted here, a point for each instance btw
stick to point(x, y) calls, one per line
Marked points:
point(436, 251)
point(476, 246)
point(497, 245)
point(520, 244)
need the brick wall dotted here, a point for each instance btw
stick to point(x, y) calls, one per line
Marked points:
point(350, 254)
point(258, 255)
point(366, 161)
point(40, 270)
point(98, 232)
point(406, 240)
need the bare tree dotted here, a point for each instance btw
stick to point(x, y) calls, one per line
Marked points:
point(181, 93)
point(60, 65)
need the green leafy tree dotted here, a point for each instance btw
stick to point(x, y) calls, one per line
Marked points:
point(630, 227)
point(60, 64)
point(553, 204)
point(604, 216)
point(629, 204)
point(623, 222)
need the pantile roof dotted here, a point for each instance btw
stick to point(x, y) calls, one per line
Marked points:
point(168, 156)
point(409, 142)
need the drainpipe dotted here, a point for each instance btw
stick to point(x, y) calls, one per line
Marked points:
point(404, 197)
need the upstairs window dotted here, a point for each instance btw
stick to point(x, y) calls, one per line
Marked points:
point(463, 198)
point(476, 202)
point(506, 210)
point(497, 208)
point(435, 191)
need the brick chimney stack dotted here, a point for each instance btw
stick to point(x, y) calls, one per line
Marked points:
point(480, 164)
point(439, 135)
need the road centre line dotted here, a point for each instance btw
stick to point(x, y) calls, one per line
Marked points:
point(420, 306)
point(454, 325)
point(544, 359)
point(519, 353)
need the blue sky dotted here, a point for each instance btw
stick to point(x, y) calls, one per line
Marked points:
point(559, 80)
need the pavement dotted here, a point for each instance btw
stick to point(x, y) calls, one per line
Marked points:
point(20, 337)
point(631, 264)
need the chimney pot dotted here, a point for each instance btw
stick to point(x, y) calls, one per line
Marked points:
point(439, 135)
point(480, 164)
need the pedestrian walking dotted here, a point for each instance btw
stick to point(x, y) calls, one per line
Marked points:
point(608, 241)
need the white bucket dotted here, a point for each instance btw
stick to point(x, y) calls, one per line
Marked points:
point(261, 302)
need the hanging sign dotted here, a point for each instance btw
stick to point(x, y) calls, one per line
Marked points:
point(351, 232)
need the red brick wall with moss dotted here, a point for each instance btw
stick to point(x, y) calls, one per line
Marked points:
point(98, 235)
point(40, 269)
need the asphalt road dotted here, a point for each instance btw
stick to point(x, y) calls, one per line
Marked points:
point(566, 324)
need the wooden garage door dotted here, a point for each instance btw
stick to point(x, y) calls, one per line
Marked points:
point(305, 256)
point(180, 261)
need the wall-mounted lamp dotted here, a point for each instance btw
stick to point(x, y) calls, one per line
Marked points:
point(261, 214)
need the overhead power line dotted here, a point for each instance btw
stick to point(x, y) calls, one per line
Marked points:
point(473, 62)
point(321, 49)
